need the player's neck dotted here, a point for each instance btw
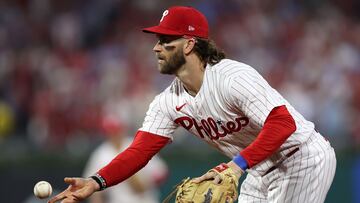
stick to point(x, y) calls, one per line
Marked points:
point(191, 75)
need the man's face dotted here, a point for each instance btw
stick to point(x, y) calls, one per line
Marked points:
point(169, 51)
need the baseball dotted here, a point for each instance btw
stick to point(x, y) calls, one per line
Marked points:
point(42, 189)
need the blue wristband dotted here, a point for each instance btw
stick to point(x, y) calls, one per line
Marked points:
point(241, 162)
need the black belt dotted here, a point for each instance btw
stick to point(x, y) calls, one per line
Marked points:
point(281, 160)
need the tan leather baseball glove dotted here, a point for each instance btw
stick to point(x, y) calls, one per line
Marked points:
point(207, 191)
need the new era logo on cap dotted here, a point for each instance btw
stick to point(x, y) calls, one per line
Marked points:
point(181, 20)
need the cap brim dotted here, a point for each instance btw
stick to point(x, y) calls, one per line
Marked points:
point(160, 30)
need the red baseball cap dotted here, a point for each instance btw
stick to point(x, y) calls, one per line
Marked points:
point(181, 20)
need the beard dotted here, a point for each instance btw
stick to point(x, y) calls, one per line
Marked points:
point(173, 64)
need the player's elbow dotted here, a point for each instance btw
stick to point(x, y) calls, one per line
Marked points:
point(281, 117)
point(291, 125)
point(288, 122)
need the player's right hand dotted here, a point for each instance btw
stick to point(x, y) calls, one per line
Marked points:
point(214, 175)
point(78, 190)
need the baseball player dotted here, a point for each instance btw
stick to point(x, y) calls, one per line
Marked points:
point(229, 105)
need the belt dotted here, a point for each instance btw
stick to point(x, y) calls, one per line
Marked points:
point(277, 164)
point(281, 160)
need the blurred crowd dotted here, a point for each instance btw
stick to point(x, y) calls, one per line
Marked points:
point(63, 64)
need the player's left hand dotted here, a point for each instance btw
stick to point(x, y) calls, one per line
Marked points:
point(78, 190)
point(214, 175)
point(219, 184)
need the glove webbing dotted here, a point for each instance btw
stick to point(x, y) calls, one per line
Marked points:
point(175, 189)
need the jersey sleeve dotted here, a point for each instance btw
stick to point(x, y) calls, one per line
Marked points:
point(158, 119)
point(253, 96)
point(132, 159)
point(266, 109)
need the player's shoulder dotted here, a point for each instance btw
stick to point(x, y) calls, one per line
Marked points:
point(230, 68)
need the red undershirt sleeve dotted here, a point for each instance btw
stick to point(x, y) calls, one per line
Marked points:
point(278, 126)
point(135, 157)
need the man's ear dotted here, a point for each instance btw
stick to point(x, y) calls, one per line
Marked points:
point(189, 46)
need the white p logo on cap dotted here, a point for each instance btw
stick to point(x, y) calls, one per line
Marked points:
point(166, 12)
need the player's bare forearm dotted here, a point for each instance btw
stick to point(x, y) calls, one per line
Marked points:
point(79, 189)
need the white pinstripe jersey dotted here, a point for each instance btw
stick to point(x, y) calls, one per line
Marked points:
point(228, 112)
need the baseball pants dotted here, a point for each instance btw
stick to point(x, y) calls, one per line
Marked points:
point(305, 176)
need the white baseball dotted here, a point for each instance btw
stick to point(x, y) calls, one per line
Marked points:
point(42, 189)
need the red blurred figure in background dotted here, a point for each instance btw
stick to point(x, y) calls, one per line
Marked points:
point(141, 187)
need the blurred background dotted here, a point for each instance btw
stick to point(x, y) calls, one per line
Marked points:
point(64, 64)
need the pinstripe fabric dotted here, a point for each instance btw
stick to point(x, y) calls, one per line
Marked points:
point(228, 113)
point(304, 177)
